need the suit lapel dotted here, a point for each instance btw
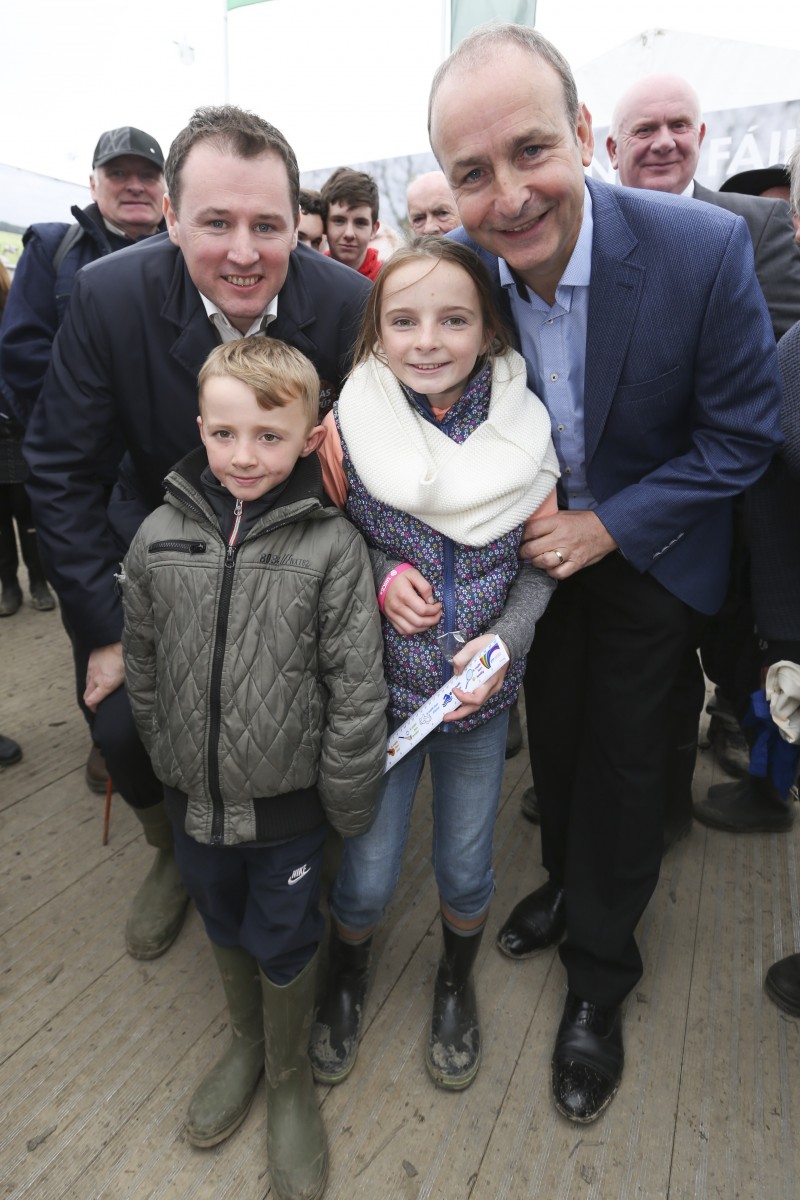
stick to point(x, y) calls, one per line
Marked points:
point(614, 296)
point(295, 313)
point(184, 309)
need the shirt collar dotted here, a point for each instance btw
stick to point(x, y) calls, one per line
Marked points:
point(227, 331)
point(115, 230)
point(578, 271)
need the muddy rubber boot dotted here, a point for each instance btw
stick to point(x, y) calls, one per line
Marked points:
point(454, 1046)
point(297, 1146)
point(42, 599)
point(10, 597)
point(752, 805)
point(336, 1031)
point(223, 1098)
point(159, 906)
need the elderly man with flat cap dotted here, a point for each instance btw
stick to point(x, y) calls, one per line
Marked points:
point(123, 377)
point(647, 337)
point(127, 187)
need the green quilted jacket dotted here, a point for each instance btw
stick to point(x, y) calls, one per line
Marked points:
point(255, 671)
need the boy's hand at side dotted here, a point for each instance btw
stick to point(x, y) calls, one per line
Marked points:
point(409, 604)
point(104, 674)
point(472, 701)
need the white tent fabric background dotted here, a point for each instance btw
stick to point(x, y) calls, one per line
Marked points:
point(346, 80)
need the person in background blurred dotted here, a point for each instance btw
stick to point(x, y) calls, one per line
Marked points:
point(15, 507)
point(431, 207)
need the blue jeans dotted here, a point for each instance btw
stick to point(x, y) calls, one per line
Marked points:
point(467, 771)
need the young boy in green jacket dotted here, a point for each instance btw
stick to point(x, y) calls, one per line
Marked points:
point(253, 663)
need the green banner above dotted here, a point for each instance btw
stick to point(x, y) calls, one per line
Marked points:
point(466, 14)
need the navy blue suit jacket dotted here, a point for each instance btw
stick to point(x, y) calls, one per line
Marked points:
point(682, 393)
point(124, 368)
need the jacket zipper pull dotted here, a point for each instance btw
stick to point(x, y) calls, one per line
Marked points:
point(230, 553)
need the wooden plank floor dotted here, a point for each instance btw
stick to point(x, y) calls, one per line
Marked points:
point(99, 1054)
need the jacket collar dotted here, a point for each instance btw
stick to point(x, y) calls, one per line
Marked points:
point(303, 485)
point(91, 222)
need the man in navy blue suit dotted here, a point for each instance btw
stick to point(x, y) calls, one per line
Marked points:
point(647, 337)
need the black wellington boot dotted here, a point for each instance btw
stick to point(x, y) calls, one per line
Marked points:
point(336, 1031)
point(454, 1046)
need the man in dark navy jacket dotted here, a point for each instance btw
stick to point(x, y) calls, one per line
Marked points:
point(647, 337)
point(127, 186)
point(124, 368)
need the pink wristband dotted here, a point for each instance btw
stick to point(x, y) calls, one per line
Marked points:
point(389, 580)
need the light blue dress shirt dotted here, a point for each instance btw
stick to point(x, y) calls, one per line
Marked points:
point(553, 343)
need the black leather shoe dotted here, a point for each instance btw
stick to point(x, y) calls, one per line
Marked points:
point(782, 984)
point(10, 752)
point(538, 921)
point(587, 1060)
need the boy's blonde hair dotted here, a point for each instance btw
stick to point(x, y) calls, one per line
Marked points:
point(274, 372)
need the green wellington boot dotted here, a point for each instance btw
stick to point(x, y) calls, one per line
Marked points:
point(159, 906)
point(297, 1147)
point(223, 1098)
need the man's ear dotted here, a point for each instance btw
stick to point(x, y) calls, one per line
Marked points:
point(611, 147)
point(171, 217)
point(314, 440)
point(585, 135)
point(375, 228)
point(702, 133)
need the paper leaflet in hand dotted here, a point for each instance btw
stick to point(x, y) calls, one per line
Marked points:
point(478, 671)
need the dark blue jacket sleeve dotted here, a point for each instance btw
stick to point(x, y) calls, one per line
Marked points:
point(30, 322)
point(71, 446)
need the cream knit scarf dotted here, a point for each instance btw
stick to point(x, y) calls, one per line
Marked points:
point(472, 492)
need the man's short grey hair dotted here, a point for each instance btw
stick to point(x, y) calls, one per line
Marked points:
point(793, 167)
point(487, 39)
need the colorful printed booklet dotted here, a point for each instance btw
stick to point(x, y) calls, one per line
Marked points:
point(479, 670)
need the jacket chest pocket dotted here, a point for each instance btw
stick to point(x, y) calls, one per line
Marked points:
point(178, 546)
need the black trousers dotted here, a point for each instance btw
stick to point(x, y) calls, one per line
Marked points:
point(597, 692)
point(114, 732)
